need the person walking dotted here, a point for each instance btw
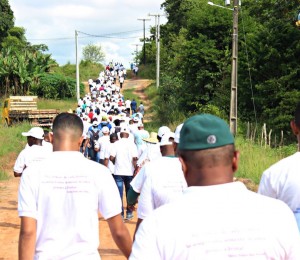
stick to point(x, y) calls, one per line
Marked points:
point(282, 180)
point(133, 106)
point(34, 151)
point(164, 180)
point(124, 155)
point(60, 198)
point(223, 218)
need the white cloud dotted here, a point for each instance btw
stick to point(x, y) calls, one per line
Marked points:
point(48, 21)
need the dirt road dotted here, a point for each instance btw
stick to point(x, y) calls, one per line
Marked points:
point(9, 220)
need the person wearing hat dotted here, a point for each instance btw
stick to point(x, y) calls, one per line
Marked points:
point(163, 180)
point(124, 155)
point(60, 199)
point(151, 152)
point(102, 143)
point(177, 138)
point(139, 135)
point(223, 218)
point(34, 153)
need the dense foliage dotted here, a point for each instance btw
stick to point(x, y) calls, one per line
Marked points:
point(26, 69)
point(56, 86)
point(196, 61)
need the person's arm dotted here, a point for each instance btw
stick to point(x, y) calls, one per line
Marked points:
point(120, 234)
point(27, 238)
point(132, 196)
point(113, 159)
point(106, 160)
point(134, 161)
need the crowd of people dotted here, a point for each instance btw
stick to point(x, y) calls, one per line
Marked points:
point(102, 149)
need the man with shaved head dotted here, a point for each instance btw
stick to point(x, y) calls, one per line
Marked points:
point(59, 201)
point(223, 220)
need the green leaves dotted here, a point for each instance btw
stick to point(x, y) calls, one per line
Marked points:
point(93, 53)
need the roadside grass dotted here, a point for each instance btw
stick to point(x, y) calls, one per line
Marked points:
point(128, 94)
point(12, 142)
point(62, 105)
point(11, 139)
point(254, 159)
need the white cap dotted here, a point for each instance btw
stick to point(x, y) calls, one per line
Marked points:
point(140, 124)
point(36, 132)
point(95, 123)
point(105, 129)
point(124, 129)
point(165, 140)
point(177, 133)
point(136, 119)
point(162, 130)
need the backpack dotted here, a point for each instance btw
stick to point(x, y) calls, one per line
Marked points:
point(94, 137)
point(117, 129)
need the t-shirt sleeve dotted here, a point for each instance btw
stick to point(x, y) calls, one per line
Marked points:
point(265, 186)
point(109, 198)
point(27, 194)
point(138, 181)
point(146, 205)
point(20, 162)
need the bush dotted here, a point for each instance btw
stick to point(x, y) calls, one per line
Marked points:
point(56, 86)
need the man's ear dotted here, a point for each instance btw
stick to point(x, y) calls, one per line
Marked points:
point(294, 127)
point(235, 161)
point(51, 137)
point(80, 142)
point(183, 167)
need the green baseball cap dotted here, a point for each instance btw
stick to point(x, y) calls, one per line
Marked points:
point(204, 131)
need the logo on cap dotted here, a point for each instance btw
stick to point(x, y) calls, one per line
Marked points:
point(212, 139)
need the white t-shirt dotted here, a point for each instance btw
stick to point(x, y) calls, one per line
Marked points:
point(30, 156)
point(164, 183)
point(151, 152)
point(107, 152)
point(282, 181)
point(222, 222)
point(127, 103)
point(124, 151)
point(103, 142)
point(64, 194)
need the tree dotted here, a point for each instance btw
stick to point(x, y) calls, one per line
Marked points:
point(93, 53)
point(6, 19)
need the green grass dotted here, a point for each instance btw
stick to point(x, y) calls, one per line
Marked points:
point(12, 142)
point(254, 159)
point(11, 139)
point(62, 105)
point(128, 94)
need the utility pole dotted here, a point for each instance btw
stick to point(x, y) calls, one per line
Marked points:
point(144, 50)
point(136, 52)
point(234, 70)
point(77, 66)
point(157, 37)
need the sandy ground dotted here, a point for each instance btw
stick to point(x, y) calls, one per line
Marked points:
point(10, 222)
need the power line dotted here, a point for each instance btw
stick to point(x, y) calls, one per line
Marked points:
point(87, 35)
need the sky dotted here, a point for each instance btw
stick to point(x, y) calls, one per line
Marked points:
point(112, 23)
